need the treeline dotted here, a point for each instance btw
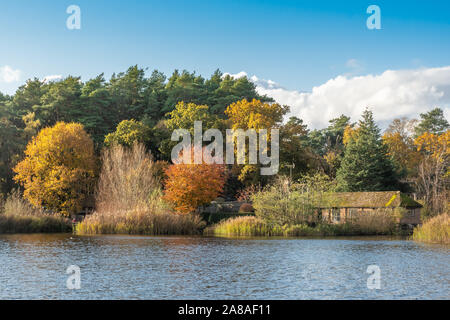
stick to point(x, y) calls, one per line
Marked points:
point(100, 105)
point(411, 155)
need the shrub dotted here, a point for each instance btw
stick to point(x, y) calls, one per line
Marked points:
point(435, 230)
point(285, 202)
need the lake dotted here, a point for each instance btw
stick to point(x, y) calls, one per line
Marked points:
point(138, 267)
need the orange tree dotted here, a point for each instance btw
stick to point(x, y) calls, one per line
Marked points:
point(188, 186)
point(59, 168)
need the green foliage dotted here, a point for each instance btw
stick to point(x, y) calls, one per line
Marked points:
point(432, 122)
point(129, 132)
point(331, 138)
point(295, 154)
point(366, 165)
point(288, 203)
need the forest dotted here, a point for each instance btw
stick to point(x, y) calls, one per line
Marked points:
point(130, 108)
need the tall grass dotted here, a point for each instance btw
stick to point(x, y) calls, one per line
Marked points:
point(142, 222)
point(375, 223)
point(17, 215)
point(247, 226)
point(128, 180)
point(435, 230)
point(378, 222)
point(129, 198)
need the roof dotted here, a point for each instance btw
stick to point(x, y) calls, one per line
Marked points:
point(380, 199)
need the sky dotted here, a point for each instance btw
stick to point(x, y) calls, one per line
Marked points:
point(319, 56)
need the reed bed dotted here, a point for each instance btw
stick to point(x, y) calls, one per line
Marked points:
point(247, 226)
point(435, 230)
point(141, 222)
point(250, 226)
point(18, 216)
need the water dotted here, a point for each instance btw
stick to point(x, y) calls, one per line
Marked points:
point(132, 267)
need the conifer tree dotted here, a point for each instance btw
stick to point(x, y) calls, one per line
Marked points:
point(366, 165)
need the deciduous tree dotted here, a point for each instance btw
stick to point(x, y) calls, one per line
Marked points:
point(59, 168)
point(189, 186)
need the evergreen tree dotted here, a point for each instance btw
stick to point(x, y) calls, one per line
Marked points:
point(365, 165)
point(432, 122)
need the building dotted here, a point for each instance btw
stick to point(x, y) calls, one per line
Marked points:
point(342, 206)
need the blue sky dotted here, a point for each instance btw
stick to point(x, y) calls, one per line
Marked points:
point(297, 44)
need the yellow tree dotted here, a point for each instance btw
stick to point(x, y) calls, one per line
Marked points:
point(433, 170)
point(255, 115)
point(403, 152)
point(59, 168)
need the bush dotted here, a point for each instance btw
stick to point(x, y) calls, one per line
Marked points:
point(285, 202)
point(435, 230)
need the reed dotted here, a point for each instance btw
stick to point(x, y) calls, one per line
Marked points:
point(434, 230)
point(129, 199)
point(141, 222)
point(247, 226)
point(17, 215)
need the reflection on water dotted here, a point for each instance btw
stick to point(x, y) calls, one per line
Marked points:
point(132, 267)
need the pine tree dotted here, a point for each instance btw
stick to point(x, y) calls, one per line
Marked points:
point(365, 165)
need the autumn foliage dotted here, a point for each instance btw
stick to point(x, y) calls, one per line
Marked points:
point(58, 169)
point(189, 186)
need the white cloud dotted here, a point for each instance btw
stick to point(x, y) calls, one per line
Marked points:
point(235, 76)
point(51, 78)
point(392, 94)
point(8, 74)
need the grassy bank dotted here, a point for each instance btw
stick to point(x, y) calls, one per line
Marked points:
point(18, 216)
point(435, 230)
point(254, 227)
